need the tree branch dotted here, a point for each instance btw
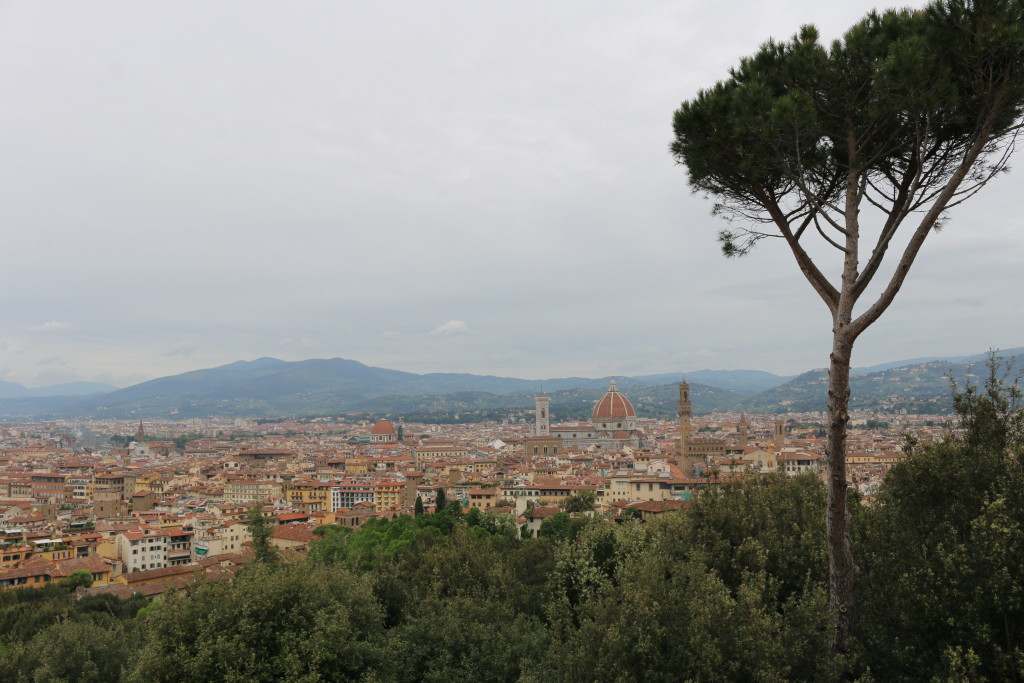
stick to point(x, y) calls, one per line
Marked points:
point(828, 293)
point(923, 230)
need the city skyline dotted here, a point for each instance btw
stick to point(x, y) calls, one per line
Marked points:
point(459, 188)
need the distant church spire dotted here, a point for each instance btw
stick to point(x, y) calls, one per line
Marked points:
point(140, 435)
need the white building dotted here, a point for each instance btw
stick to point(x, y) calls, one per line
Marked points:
point(140, 550)
point(348, 494)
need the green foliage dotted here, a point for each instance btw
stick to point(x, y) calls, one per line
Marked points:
point(70, 651)
point(581, 501)
point(382, 538)
point(418, 508)
point(558, 526)
point(76, 579)
point(491, 524)
point(261, 528)
point(441, 500)
point(329, 545)
point(297, 621)
point(942, 550)
point(639, 603)
point(771, 524)
point(903, 93)
point(629, 514)
point(26, 611)
point(466, 606)
point(47, 635)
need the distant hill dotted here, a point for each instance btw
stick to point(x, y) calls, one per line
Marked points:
point(38, 407)
point(977, 359)
point(15, 390)
point(747, 382)
point(916, 388)
point(268, 387)
point(271, 387)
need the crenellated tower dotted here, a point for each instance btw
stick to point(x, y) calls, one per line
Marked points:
point(684, 456)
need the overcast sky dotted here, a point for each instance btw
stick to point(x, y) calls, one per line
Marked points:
point(427, 186)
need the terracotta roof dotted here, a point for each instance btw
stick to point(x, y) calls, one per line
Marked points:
point(161, 573)
point(613, 405)
point(93, 564)
point(542, 512)
point(383, 428)
point(292, 516)
point(293, 532)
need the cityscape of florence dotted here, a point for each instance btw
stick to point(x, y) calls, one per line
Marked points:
point(575, 341)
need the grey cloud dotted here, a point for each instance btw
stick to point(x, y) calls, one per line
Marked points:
point(377, 166)
point(50, 326)
point(452, 328)
point(182, 349)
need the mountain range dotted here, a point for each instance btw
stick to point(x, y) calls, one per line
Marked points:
point(15, 390)
point(268, 387)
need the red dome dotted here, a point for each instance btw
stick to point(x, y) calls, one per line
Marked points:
point(383, 428)
point(613, 405)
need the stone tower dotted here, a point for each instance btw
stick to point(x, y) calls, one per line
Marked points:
point(684, 458)
point(742, 429)
point(780, 435)
point(542, 425)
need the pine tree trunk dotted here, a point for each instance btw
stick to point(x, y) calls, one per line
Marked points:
point(841, 568)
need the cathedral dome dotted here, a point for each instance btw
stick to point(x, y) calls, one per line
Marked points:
point(383, 428)
point(613, 406)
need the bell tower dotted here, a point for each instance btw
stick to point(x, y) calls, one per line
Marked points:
point(683, 458)
point(542, 415)
point(780, 435)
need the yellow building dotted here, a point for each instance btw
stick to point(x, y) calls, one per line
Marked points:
point(53, 550)
point(249, 490)
point(11, 555)
point(308, 495)
point(483, 498)
point(143, 483)
point(357, 466)
point(389, 494)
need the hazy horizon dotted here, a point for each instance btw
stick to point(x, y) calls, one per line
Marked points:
point(457, 187)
